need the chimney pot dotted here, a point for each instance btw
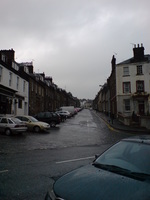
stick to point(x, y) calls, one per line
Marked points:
point(138, 53)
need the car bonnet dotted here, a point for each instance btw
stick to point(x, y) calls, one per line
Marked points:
point(90, 182)
point(41, 123)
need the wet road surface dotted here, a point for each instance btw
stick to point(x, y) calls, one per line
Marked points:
point(30, 163)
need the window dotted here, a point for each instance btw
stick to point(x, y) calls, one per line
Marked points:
point(140, 86)
point(32, 86)
point(40, 90)
point(1, 74)
point(24, 119)
point(4, 121)
point(126, 87)
point(127, 104)
point(17, 82)
point(24, 86)
point(36, 89)
point(40, 115)
point(10, 78)
point(3, 57)
point(125, 71)
point(19, 103)
point(9, 121)
point(139, 70)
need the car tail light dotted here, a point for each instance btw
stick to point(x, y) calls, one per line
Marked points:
point(17, 126)
point(24, 125)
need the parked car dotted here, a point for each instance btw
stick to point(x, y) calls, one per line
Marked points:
point(62, 117)
point(49, 117)
point(70, 109)
point(64, 114)
point(11, 125)
point(122, 172)
point(79, 109)
point(33, 124)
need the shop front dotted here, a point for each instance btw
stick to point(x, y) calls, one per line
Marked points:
point(6, 100)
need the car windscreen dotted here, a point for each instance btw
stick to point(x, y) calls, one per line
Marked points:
point(32, 119)
point(16, 120)
point(128, 155)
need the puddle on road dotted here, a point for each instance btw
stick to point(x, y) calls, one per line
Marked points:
point(87, 123)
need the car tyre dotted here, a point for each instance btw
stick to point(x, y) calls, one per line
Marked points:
point(37, 129)
point(8, 132)
point(53, 124)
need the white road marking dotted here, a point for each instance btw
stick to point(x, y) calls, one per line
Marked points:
point(3, 171)
point(74, 160)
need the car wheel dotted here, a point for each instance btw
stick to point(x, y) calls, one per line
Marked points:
point(8, 132)
point(52, 124)
point(37, 129)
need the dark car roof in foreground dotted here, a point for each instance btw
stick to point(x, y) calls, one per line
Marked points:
point(139, 139)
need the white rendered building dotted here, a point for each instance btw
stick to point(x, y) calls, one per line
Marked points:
point(14, 86)
point(133, 84)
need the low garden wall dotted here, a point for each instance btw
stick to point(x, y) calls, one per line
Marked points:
point(145, 121)
point(126, 120)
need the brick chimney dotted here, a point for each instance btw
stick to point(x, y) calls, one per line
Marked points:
point(10, 54)
point(138, 53)
point(113, 63)
point(26, 65)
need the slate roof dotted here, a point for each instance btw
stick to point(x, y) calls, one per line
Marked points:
point(132, 60)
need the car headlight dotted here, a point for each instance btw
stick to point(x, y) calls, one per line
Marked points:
point(45, 126)
point(51, 196)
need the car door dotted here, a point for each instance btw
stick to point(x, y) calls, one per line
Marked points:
point(24, 120)
point(27, 122)
point(48, 117)
point(40, 117)
point(3, 124)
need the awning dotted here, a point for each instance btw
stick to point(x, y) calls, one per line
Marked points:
point(7, 91)
point(140, 96)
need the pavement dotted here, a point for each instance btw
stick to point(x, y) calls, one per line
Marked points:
point(116, 124)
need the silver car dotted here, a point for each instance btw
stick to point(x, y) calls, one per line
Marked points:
point(11, 125)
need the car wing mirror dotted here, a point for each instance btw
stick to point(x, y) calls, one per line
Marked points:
point(96, 156)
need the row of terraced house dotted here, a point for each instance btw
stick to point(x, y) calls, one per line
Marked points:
point(126, 94)
point(24, 92)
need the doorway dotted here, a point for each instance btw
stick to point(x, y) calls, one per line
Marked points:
point(141, 108)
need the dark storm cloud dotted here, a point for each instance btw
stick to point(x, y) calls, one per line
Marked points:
point(74, 41)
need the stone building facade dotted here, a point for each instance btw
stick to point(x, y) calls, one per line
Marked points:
point(23, 92)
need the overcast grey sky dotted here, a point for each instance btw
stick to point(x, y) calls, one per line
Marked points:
point(74, 40)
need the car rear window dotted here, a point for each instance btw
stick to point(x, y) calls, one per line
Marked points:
point(10, 121)
point(4, 120)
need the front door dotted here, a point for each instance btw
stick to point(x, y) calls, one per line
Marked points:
point(141, 108)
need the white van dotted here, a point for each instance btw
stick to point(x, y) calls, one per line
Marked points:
point(70, 109)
